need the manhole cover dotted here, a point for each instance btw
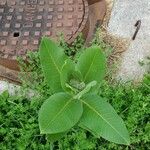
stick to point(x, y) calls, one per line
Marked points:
point(24, 22)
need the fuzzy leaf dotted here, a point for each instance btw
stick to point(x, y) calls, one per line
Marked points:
point(52, 58)
point(85, 90)
point(59, 113)
point(68, 73)
point(92, 64)
point(100, 117)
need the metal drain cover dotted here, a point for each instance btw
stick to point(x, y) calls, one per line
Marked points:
point(24, 22)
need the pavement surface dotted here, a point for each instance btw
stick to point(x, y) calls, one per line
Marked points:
point(125, 14)
point(11, 88)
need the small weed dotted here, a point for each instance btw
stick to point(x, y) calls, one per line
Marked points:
point(72, 49)
point(19, 122)
point(74, 88)
point(19, 115)
point(145, 63)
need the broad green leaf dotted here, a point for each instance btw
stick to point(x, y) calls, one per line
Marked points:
point(100, 117)
point(59, 113)
point(55, 137)
point(66, 74)
point(69, 73)
point(52, 58)
point(87, 129)
point(92, 64)
point(85, 90)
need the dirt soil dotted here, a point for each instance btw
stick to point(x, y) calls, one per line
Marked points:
point(119, 45)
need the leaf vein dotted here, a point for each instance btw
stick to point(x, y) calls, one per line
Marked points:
point(59, 113)
point(89, 68)
point(103, 119)
point(57, 68)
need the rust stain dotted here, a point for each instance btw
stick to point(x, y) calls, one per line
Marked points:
point(24, 22)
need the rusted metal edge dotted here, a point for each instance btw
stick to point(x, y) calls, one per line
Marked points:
point(94, 14)
point(97, 11)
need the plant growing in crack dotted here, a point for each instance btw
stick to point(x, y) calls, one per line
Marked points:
point(74, 101)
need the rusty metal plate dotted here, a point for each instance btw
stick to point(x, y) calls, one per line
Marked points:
point(24, 22)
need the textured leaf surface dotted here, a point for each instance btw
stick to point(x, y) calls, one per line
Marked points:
point(69, 72)
point(55, 137)
point(52, 58)
point(92, 64)
point(85, 90)
point(100, 117)
point(59, 113)
point(66, 74)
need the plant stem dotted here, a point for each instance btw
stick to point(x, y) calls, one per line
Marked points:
point(51, 146)
point(85, 90)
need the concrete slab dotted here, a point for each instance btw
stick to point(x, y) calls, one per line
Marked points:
point(16, 90)
point(124, 15)
point(130, 67)
point(11, 88)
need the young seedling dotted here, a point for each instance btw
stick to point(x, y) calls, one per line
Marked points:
point(74, 101)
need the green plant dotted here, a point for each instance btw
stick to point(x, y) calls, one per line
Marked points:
point(31, 75)
point(19, 125)
point(99, 41)
point(130, 101)
point(75, 101)
point(71, 49)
